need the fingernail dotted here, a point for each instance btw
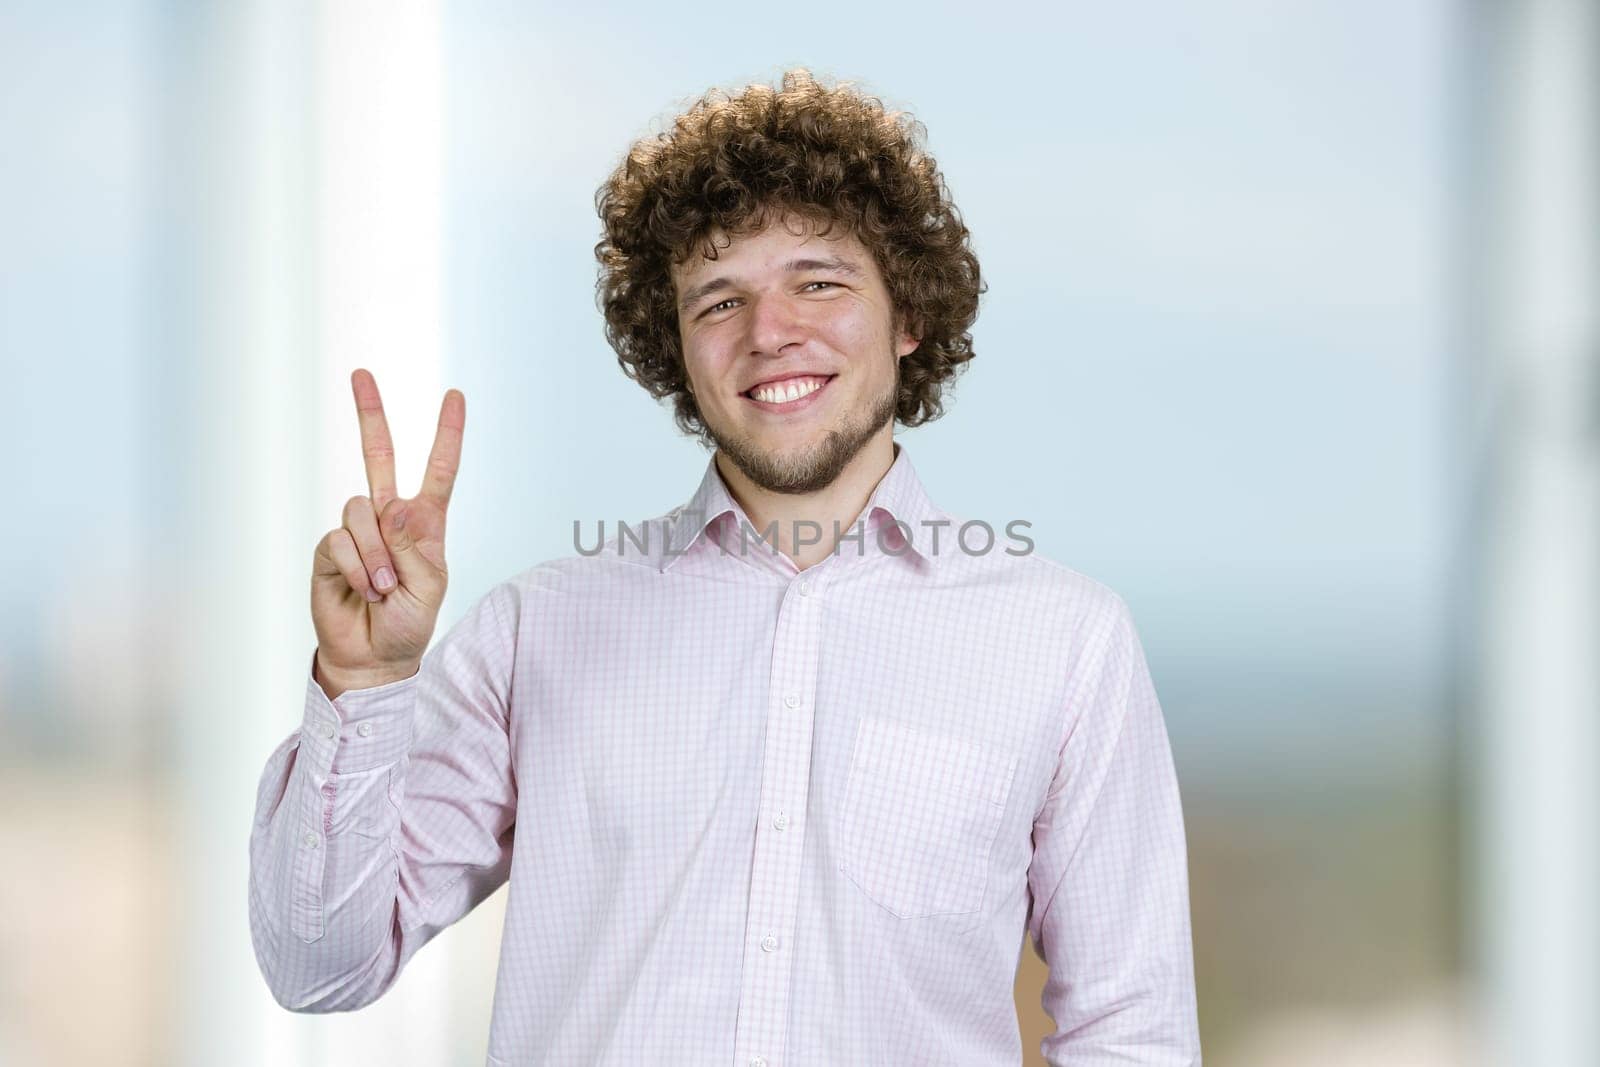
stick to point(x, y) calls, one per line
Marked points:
point(384, 578)
point(373, 596)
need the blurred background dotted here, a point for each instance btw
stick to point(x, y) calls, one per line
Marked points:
point(1301, 293)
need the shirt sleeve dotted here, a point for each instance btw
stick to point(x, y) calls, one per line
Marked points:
point(1108, 885)
point(387, 816)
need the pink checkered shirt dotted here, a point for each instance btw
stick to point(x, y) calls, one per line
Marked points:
point(753, 815)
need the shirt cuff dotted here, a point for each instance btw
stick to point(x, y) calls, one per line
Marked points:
point(362, 729)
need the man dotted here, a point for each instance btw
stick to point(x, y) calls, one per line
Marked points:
point(784, 776)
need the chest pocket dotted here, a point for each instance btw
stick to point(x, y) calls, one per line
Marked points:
point(920, 815)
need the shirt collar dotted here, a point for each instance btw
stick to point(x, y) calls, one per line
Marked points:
point(897, 498)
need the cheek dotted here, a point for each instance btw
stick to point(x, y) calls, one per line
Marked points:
point(701, 368)
point(713, 382)
point(855, 336)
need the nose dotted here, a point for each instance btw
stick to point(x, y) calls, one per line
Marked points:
point(775, 323)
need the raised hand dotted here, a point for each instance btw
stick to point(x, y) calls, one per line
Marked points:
point(378, 580)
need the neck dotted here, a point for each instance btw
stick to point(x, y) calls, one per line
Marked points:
point(839, 503)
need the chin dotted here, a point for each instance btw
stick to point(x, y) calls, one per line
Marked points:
point(792, 446)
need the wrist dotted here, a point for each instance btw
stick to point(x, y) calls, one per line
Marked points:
point(337, 680)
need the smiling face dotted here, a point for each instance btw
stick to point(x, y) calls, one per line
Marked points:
point(791, 352)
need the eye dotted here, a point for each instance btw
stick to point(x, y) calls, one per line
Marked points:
point(718, 306)
point(810, 284)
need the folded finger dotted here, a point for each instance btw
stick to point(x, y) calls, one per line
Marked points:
point(342, 550)
point(362, 522)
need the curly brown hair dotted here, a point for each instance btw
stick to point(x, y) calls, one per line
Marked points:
point(830, 155)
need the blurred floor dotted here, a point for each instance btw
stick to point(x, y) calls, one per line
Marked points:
point(89, 926)
point(1323, 927)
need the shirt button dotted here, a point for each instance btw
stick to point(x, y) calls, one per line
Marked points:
point(365, 729)
point(805, 587)
point(781, 822)
point(769, 943)
point(792, 700)
point(311, 839)
point(326, 729)
point(758, 1061)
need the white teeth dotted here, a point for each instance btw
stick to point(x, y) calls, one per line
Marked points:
point(793, 390)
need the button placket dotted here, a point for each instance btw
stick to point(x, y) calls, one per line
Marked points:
point(763, 1016)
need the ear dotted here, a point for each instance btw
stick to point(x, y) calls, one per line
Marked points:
point(906, 343)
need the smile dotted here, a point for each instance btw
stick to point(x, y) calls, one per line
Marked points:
point(791, 394)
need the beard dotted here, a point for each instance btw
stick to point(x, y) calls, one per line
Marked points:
point(814, 468)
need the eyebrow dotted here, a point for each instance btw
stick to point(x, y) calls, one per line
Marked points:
point(837, 264)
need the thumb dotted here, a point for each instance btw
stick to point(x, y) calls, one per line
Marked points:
point(412, 569)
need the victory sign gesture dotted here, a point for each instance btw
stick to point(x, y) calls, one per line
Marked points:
point(378, 580)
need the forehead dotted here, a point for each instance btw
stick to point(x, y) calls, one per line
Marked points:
point(769, 240)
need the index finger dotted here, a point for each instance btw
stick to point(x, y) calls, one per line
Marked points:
point(445, 459)
point(377, 447)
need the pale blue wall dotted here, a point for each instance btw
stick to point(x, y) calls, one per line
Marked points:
point(1211, 361)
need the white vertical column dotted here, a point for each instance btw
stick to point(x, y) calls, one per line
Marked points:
point(312, 182)
point(379, 232)
point(241, 106)
point(379, 102)
point(1539, 832)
